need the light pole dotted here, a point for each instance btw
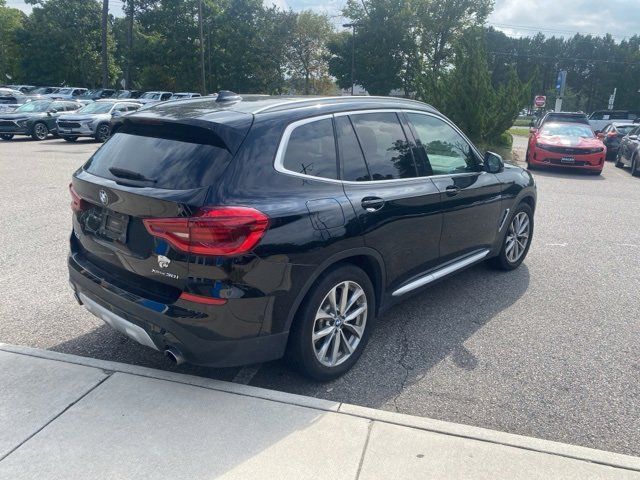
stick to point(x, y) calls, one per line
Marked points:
point(353, 52)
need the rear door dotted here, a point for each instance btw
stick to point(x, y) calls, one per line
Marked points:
point(144, 172)
point(471, 197)
point(398, 208)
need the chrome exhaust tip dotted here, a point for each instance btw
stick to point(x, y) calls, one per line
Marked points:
point(174, 355)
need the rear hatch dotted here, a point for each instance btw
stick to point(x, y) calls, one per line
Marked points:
point(150, 169)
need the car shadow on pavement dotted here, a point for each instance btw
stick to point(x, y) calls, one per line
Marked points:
point(405, 344)
point(412, 338)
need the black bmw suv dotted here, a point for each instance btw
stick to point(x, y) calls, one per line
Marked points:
point(239, 229)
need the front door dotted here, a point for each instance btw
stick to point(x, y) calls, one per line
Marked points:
point(471, 197)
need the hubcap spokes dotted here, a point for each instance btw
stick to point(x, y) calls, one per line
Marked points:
point(517, 237)
point(339, 324)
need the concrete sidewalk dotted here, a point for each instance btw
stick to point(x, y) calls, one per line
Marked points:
point(67, 417)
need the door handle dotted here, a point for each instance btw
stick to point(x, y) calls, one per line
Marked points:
point(452, 190)
point(372, 204)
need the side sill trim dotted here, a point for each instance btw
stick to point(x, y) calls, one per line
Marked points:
point(442, 272)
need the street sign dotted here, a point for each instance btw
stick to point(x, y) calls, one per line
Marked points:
point(540, 101)
point(561, 83)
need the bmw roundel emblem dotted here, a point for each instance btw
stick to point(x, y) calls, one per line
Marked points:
point(104, 198)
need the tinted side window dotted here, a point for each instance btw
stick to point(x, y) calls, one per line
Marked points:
point(352, 162)
point(311, 150)
point(447, 150)
point(386, 149)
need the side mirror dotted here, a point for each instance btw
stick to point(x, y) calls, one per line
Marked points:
point(633, 137)
point(533, 130)
point(493, 162)
point(600, 135)
point(116, 113)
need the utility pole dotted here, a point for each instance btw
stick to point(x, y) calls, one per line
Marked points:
point(353, 52)
point(204, 87)
point(128, 83)
point(105, 58)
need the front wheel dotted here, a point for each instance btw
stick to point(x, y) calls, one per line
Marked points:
point(40, 131)
point(102, 132)
point(332, 327)
point(517, 240)
point(619, 163)
point(6, 136)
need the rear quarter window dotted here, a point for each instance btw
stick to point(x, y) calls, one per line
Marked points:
point(164, 162)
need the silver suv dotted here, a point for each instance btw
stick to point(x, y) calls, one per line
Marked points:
point(93, 120)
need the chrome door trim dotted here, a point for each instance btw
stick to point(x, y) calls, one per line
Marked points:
point(441, 272)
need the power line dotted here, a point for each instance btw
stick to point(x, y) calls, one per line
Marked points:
point(552, 30)
point(563, 59)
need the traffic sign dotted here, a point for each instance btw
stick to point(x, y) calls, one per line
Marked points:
point(540, 101)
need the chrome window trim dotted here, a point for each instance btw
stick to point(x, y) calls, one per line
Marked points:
point(284, 141)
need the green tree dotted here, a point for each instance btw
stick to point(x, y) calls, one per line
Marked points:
point(307, 54)
point(60, 42)
point(470, 100)
point(382, 42)
point(11, 20)
point(439, 25)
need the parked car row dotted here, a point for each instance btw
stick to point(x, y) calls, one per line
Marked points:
point(12, 96)
point(64, 118)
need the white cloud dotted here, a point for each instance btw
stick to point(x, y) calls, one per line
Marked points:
point(620, 18)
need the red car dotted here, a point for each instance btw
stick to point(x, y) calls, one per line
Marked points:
point(566, 145)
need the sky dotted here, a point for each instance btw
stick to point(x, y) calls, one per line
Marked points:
point(620, 18)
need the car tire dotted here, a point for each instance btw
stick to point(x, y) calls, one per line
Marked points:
point(507, 258)
point(619, 163)
point(315, 316)
point(6, 136)
point(39, 131)
point(635, 166)
point(103, 131)
point(69, 139)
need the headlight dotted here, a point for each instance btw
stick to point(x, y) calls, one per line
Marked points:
point(595, 150)
point(22, 123)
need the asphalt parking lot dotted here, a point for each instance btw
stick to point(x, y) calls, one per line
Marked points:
point(549, 350)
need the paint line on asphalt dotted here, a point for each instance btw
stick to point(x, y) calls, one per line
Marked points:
point(246, 374)
point(556, 244)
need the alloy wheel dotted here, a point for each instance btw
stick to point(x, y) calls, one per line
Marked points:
point(517, 237)
point(103, 133)
point(339, 323)
point(41, 131)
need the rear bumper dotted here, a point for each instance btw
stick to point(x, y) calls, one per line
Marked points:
point(180, 326)
point(544, 158)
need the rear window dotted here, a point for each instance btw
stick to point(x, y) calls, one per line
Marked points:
point(311, 150)
point(158, 162)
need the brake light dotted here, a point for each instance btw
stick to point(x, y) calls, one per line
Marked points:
point(214, 231)
point(77, 203)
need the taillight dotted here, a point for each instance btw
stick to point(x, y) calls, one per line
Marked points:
point(77, 203)
point(612, 134)
point(212, 231)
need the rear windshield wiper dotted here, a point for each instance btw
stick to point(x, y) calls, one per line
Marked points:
point(129, 174)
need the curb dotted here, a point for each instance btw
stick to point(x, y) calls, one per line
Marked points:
point(585, 454)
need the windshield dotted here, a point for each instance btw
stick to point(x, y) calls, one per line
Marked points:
point(64, 91)
point(42, 90)
point(624, 129)
point(566, 130)
point(151, 95)
point(39, 106)
point(123, 94)
point(96, 108)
